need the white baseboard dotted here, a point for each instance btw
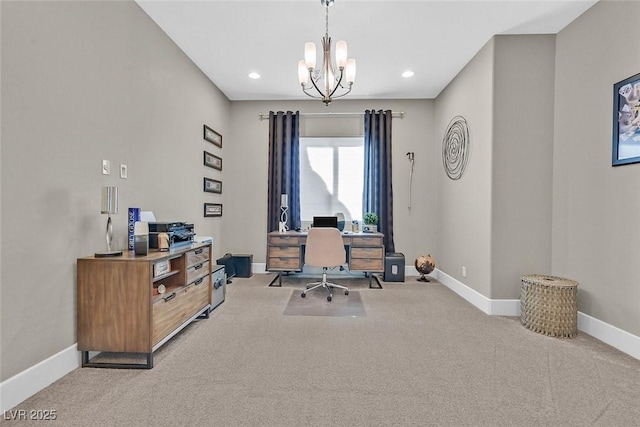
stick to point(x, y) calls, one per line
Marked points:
point(30, 381)
point(495, 307)
point(615, 337)
point(609, 334)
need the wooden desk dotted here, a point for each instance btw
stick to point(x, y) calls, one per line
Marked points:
point(285, 252)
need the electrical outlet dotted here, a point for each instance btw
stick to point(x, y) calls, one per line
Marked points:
point(106, 167)
point(464, 271)
point(123, 171)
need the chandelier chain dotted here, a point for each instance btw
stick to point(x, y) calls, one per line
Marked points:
point(326, 20)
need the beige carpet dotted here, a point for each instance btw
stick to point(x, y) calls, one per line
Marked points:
point(421, 356)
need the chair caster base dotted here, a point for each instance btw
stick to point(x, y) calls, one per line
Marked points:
point(303, 295)
point(329, 298)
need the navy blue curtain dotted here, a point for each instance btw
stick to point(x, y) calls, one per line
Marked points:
point(378, 191)
point(284, 168)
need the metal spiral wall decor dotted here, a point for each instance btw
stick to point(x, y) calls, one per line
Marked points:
point(455, 147)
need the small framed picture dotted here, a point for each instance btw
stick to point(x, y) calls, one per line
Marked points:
point(161, 267)
point(626, 121)
point(212, 186)
point(212, 136)
point(212, 161)
point(212, 209)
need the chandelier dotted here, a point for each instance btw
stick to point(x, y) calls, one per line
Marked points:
point(326, 84)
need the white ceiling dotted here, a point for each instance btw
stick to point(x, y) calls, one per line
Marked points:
point(229, 39)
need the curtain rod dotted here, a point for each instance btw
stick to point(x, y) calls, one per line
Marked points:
point(399, 114)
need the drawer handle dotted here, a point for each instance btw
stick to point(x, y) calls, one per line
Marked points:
point(170, 296)
point(197, 282)
point(198, 251)
point(198, 266)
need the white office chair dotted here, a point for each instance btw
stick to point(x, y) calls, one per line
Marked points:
point(324, 248)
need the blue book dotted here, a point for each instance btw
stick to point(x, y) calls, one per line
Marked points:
point(134, 215)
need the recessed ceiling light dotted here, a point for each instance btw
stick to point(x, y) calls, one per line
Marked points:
point(254, 75)
point(407, 74)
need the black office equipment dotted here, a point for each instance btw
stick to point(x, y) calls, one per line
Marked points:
point(393, 267)
point(325, 221)
point(180, 233)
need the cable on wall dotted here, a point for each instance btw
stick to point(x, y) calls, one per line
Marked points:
point(411, 157)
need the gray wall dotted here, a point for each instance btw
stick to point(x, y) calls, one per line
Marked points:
point(247, 197)
point(522, 161)
point(496, 219)
point(82, 82)
point(595, 206)
point(464, 205)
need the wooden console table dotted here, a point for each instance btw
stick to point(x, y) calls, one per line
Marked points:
point(121, 311)
point(285, 252)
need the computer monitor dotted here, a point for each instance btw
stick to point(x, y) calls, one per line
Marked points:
point(325, 221)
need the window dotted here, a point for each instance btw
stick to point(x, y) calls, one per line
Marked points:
point(331, 177)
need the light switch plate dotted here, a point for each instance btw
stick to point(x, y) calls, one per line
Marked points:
point(106, 167)
point(123, 171)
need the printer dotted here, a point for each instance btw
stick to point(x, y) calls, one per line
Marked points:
point(179, 233)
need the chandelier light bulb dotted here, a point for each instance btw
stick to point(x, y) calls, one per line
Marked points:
point(303, 72)
point(341, 54)
point(310, 55)
point(329, 80)
point(351, 71)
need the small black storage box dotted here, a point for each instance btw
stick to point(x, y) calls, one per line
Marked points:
point(244, 265)
point(393, 267)
point(237, 265)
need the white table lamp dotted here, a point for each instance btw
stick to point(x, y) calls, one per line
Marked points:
point(109, 206)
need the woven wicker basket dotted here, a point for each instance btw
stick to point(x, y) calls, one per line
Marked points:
point(549, 305)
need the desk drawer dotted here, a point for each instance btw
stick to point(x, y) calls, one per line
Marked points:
point(284, 240)
point(287, 264)
point(197, 256)
point(174, 309)
point(284, 251)
point(197, 271)
point(367, 253)
point(374, 240)
point(366, 264)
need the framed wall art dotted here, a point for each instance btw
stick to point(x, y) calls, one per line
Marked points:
point(212, 186)
point(212, 209)
point(626, 121)
point(212, 136)
point(212, 161)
